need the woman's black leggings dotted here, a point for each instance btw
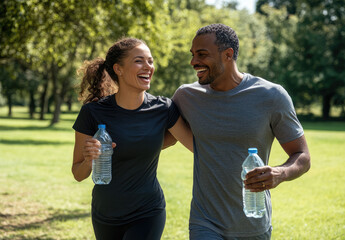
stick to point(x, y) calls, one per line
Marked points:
point(150, 228)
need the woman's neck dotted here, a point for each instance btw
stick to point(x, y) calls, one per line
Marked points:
point(129, 100)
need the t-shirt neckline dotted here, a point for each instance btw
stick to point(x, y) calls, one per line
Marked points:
point(128, 110)
point(231, 91)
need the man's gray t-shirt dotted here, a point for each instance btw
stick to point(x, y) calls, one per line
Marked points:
point(225, 125)
point(134, 191)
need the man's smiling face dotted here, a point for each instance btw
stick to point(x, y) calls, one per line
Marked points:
point(206, 58)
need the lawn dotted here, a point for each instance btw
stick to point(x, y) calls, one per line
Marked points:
point(39, 199)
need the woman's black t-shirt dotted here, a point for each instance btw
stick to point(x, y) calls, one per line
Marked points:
point(134, 191)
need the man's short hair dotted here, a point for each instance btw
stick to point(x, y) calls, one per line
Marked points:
point(225, 37)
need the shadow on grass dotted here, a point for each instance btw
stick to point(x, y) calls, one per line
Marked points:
point(20, 118)
point(57, 216)
point(34, 128)
point(64, 117)
point(27, 142)
point(337, 126)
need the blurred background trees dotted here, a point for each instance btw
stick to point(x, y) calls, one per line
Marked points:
point(43, 42)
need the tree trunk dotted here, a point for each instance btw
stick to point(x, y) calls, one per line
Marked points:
point(69, 102)
point(50, 103)
point(58, 102)
point(32, 104)
point(9, 103)
point(43, 99)
point(57, 99)
point(57, 109)
point(326, 105)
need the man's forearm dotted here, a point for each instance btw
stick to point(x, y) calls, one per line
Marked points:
point(295, 166)
point(169, 140)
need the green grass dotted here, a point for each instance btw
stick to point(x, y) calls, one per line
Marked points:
point(39, 199)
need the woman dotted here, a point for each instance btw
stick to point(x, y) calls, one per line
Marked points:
point(132, 206)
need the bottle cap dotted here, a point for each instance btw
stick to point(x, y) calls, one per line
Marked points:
point(101, 126)
point(252, 150)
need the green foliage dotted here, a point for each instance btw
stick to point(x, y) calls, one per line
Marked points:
point(290, 5)
point(177, 34)
point(291, 42)
point(255, 46)
point(60, 35)
point(280, 29)
point(308, 50)
point(321, 49)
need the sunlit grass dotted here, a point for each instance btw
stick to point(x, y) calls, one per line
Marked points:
point(313, 206)
point(39, 199)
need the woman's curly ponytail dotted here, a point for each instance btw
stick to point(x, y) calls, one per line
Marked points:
point(95, 83)
point(98, 76)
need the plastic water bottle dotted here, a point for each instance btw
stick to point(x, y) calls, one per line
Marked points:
point(101, 167)
point(253, 202)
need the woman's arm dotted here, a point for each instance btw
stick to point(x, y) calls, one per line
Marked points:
point(182, 132)
point(85, 150)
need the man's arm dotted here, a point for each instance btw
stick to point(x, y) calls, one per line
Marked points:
point(169, 140)
point(267, 177)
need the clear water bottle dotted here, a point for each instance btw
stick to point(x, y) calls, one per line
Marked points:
point(253, 202)
point(101, 167)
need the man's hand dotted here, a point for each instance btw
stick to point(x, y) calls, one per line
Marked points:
point(263, 178)
point(298, 163)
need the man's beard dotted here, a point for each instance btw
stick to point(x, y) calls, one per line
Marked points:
point(217, 69)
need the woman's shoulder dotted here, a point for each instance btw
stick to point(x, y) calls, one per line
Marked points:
point(97, 106)
point(158, 100)
point(105, 101)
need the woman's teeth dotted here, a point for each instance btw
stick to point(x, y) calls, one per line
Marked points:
point(146, 76)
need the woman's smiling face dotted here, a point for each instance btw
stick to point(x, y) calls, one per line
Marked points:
point(136, 70)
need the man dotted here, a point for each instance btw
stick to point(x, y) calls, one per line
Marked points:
point(229, 112)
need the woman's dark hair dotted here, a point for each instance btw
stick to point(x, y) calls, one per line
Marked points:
point(98, 76)
point(225, 37)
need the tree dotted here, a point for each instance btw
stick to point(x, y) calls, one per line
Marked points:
point(13, 81)
point(15, 31)
point(171, 47)
point(53, 38)
point(320, 50)
point(289, 5)
point(180, 30)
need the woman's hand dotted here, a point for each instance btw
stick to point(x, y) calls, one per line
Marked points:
point(86, 149)
point(91, 150)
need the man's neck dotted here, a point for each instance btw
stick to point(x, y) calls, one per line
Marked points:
point(230, 79)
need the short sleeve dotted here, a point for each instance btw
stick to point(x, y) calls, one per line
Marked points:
point(176, 96)
point(173, 113)
point(285, 124)
point(85, 123)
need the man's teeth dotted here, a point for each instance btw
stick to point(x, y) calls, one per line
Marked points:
point(201, 70)
point(144, 75)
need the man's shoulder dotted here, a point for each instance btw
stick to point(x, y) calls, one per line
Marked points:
point(256, 81)
point(259, 80)
point(190, 87)
point(268, 89)
point(187, 89)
